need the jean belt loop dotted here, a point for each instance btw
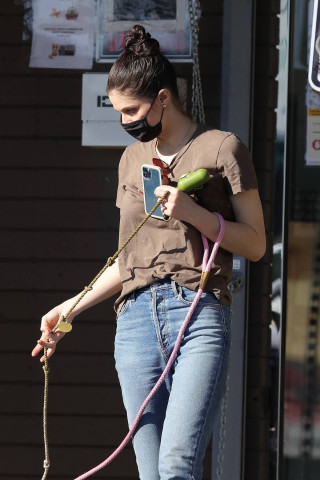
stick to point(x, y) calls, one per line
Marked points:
point(131, 297)
point(175, 288)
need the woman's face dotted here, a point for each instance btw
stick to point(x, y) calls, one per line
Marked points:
point(134, 108)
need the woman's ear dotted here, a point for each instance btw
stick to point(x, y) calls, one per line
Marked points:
point(164, 96)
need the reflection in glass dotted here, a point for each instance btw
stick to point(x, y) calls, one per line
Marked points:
point(301, 414)
point(301, 382)
point(277, 264)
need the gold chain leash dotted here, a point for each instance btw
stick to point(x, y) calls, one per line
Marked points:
point(197, 97)
point(65, 327)
point(46, 462)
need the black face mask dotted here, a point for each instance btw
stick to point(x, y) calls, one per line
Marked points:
point(141, 130)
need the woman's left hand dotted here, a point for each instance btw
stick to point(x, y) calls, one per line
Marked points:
point(177, 204)
point(244, 237)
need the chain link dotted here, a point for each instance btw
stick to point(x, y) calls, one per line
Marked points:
point(46, 462)
point(234, 286)
point(197, 98)
point(223, 430)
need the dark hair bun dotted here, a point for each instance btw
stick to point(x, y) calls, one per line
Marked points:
point(140, 43)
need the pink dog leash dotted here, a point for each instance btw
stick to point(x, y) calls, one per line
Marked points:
point(206, 268)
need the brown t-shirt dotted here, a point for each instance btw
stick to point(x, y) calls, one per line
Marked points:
point(174, 249)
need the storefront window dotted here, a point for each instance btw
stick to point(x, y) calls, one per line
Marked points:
point(300, 241)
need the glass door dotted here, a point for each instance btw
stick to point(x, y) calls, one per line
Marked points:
point(299, 317)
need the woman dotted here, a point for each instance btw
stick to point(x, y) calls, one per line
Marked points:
point(159, 271)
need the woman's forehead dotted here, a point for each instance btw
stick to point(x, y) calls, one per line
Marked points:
point(122, 100)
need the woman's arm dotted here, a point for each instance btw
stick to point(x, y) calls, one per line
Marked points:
point(106, 286)
point(244, 237)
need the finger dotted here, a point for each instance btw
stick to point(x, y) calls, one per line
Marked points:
point(37, 349)
point(46, 343)
point(47, 339)
point(50, 340)
point(160, 191)
point(53, 336)
point(48, 322)
point(50, 352)
point(45, 329)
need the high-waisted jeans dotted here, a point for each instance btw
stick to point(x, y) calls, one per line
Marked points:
point(174, 431)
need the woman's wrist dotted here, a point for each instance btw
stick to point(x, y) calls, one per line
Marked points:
point(204, 221)
point(67, 305)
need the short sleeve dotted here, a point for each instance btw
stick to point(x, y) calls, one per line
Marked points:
point(235, 162)
point(120, 190)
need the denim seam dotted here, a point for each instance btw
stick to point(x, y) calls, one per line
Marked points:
point(226, 327)
point(165, 338)
point(156, 325)
point(222, 358)
point(123, 309)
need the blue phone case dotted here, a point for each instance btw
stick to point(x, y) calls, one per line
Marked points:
point(151, 179)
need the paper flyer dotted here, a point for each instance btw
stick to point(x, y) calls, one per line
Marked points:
point(314, 46)
point(63, 34)
point(313, 128)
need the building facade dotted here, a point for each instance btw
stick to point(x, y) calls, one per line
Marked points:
point(59, 224)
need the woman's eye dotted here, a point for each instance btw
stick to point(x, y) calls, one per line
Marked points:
point(131, 111)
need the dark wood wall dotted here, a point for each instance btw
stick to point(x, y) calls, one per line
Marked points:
point(58, 225)
point(260, 440)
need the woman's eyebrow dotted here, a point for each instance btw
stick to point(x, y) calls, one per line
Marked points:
point(129, 107)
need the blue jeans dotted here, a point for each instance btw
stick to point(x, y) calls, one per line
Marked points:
point(175, 429)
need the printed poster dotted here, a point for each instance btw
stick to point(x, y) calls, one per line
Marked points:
point(167, 20)
point(313, 128)
point(314, 46)
point(63, 34)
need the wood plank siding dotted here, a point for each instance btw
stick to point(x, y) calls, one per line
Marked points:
point(259, 465)
point(58, 225)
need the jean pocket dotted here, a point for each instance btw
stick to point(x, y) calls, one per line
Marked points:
point(125, 305)
point(187, 296)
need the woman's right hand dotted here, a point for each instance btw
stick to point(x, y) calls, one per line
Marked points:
point(108, 283)
point(48, 338)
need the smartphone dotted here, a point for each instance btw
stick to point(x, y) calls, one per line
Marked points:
point(151, 179)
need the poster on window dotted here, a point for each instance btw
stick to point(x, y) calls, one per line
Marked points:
point(314, 49)
point(167, 21)
point(313, 128)
point(63, 34)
